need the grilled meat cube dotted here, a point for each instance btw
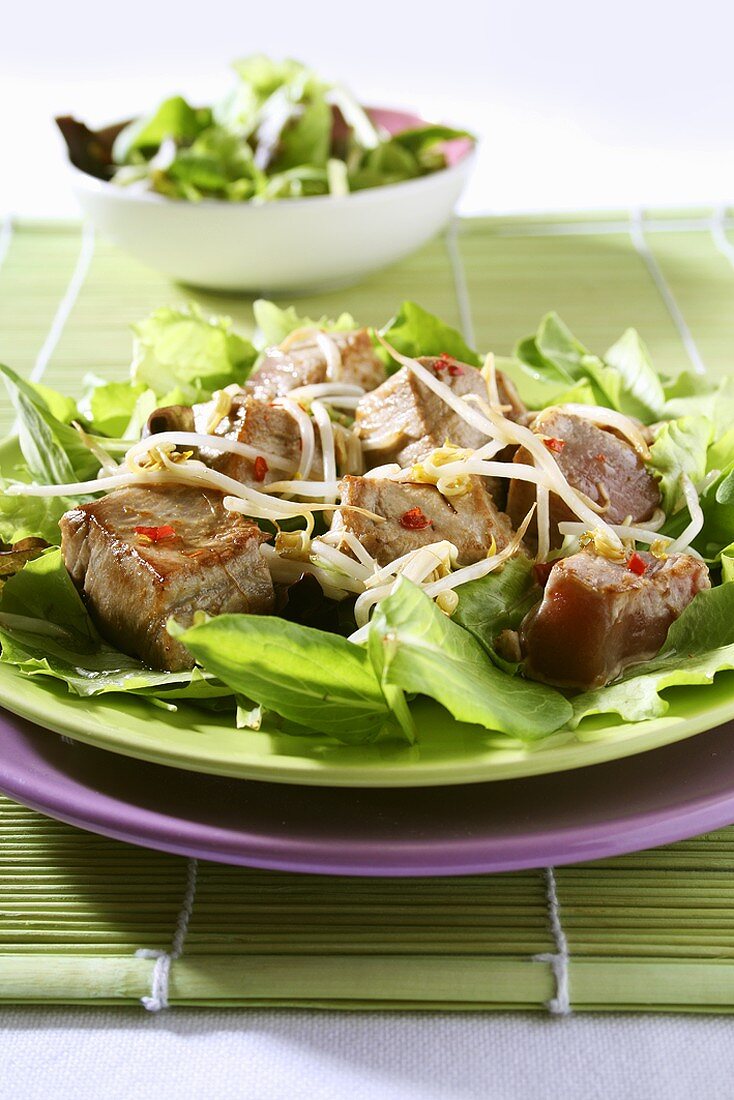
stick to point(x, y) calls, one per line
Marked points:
point(134, 580)
point(597, 616)
point(416, 515)
point(600, 464)
point(262, 426)
point(304, 364)
point(403, 420)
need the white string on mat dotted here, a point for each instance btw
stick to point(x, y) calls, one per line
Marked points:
point(637, 234)
point(6, 235)
point(460, 287)
point(600, 228)
point(76, 282)
point(718, 232)
point(158, 996)
point(560, 1005)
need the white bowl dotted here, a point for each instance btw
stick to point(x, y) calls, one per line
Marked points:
point(287, 246)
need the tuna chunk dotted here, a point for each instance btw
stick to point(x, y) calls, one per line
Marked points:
point(403, 420)
point(133, 581)
point(304, 364)
point(597, 617)
point(603, 466)
point(416, 515)
point(265, 427)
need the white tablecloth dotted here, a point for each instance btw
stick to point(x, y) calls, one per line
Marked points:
point(185, 1054)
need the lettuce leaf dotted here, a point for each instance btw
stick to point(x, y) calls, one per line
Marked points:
point(109, 406)
point(183, 348)
point(45, 630)
point(624, 380)
point(53, 451)
point(699, 645)
point(31, 517)
point(316, 680)
point(276, 323)
point(174, 118)
point(413, 331)
point(416, 648)
point(680, 447)
point(497, 602)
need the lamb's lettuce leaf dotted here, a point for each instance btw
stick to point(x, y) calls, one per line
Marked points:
point(414, 331)
point(45, 630)
point(497, 602)
point(53, 451)
point(319, 681)
point(275, 323)
point(419, 650)
point(181, 348)
point(699, 645)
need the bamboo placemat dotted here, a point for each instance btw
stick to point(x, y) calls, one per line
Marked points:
point(650, 931)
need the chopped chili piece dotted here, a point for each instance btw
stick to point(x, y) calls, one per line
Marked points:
point(541, 572)
point(600, 457)
point(636, 564)
point(261, 468)
point(555, 445)
point(415, 520)
point(156, 534)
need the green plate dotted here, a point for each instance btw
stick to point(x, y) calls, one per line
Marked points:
point(447, 752)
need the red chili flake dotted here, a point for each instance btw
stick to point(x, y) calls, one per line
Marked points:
point(156, 534)
point(541, 572)
point(415, 520)
point(555, 445)
point(261, 468)
point(600, 457)
point(636, 564)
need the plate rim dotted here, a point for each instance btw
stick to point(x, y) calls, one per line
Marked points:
point(68, 799)
point(302, 771)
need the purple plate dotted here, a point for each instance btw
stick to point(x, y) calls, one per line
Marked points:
point(639, 802)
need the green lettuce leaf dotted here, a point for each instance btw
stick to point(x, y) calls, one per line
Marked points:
point(174, 118)
point(497, 602)
point(413, 331)
point(109, 406)
point(699, 645)
point(31, 517)
point(624, 380)
point(276, 323)
point(45, 630)
point(640, 391)
point(691, 395)
point(53, 451)
point(184, 349)
point(416, 648)
point(318, 681)
point(680, 447)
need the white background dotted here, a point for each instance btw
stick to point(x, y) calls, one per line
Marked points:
point(580, 104)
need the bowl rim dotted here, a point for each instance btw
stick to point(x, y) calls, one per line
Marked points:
point(463, 163)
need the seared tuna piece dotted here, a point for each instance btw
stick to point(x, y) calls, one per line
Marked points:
point(304, 364)
point(600, 464)
point(139, 556)
point(261, 425)
point(416, 515)
point(403, 420)
point(597, 616)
